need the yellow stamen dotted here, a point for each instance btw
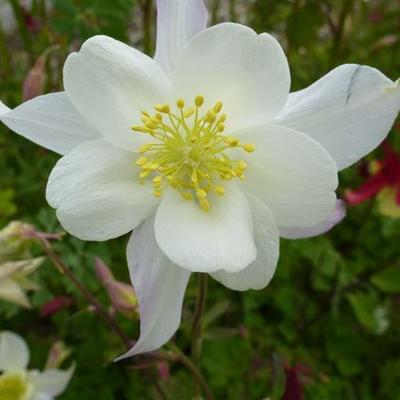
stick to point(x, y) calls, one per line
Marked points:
point(189, 151)
point(249, 147)
point(198, 101)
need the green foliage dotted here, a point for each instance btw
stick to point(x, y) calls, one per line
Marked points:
point(333, 305)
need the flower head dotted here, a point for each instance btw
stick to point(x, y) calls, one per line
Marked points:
point(201, 151)
point(15, 242)
point(384, 184)
point(14, 280)
point(19, 383)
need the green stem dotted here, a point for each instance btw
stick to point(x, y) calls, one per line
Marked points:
point(4, 53)
point(232, 11)
point(188, 364)
point(197, 325)
point(214, 11)
point(23, 30)
point(147, 13)
point(59, 264)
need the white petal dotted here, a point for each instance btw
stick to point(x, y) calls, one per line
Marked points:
point(96, 192)
point(260, 272)
point(293, 174)
point(10, 291)
point(160, 286)
point(249, 73)
point(177, 22)
point(41, 396)
point(51, 382)
point(14, 352)
point(200, 241)
point(349, 111)
point(110, 84)
point(302, 233)
point(50, 121)
point(3, 109)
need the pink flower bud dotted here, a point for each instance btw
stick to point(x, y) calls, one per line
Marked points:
point(122, 296)
point(103, 272)
point(35, 80)
point(57, 355)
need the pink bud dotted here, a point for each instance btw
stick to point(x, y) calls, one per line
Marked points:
point(122, 296)
point(57, 354)
point(163, 370)
point(55, 305)
point(35, 80)
point(103, 272)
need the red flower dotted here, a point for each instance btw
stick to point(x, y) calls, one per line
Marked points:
point(383, 184)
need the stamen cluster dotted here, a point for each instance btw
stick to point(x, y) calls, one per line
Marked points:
point(190, 154)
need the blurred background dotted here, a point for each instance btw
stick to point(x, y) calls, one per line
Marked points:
point(327, 327)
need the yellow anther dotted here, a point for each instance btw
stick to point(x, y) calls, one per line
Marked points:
point(144, 174)
point(189, 112)
point(162, 108)
point(219, 190)
point(201, 194)
point(159, 117)
point(218, 107)
point(220, 127)
point(141, 161)
point(140, 129)
point(157, 193)
point(210, 117)
point(242, 165)
point(222, 118)
point(204, 204)
point(187, 196)
point(157, 179)
point(154, 166)
point(150, 124)
point(170, 178)
point(199, 101)
point(146, 114)
point(145, 147)
point(249, 147)
point(180, 103)
point(231, 141)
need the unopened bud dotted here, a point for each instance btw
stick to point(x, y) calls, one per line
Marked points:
point(57, 355)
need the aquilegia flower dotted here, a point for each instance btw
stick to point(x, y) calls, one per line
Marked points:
point(384, 184)
point(19, 383)
point(15, 281)
point(202, 151)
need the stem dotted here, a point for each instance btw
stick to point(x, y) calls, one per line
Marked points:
point(59, 264)
point(187, 362)
point(214, 11)
point(147, 13)
point(232, 11)
point(4, 53)
point(197, 326)
point(23, 30)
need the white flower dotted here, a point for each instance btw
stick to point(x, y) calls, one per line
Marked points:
point(19, 383)
point(14, 280)
point(204, 200)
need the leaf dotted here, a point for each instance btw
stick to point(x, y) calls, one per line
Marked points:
point(388, 280)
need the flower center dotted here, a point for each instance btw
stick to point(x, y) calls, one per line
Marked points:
point(190, 151)
point(13, 386)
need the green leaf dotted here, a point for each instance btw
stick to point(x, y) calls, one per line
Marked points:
point(388, 280)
